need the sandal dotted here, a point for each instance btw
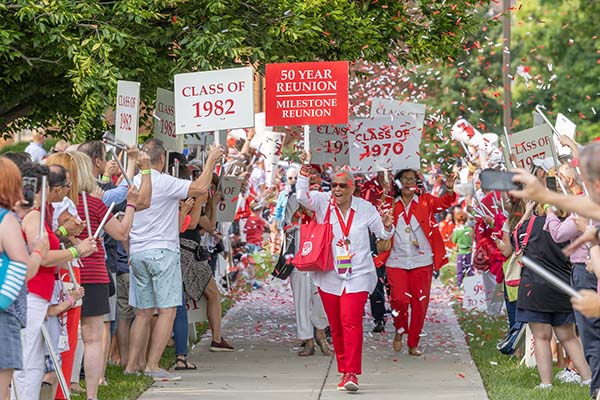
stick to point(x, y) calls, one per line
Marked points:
point(183, 364)
point(307, 351)
point(324, 346)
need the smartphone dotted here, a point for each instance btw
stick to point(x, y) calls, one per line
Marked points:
point(551, 183)
point(497, 180)
point(29, 191)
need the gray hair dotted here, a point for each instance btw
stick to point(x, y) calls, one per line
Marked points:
point(349, 176)
point(155, 149)
point(588, 157)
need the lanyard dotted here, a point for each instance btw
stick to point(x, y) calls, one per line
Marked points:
point(345, 227)
point(407, 215)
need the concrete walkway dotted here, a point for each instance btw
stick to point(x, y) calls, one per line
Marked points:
point(265, 366)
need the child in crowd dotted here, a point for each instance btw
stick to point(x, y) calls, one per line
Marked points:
point(462, 237)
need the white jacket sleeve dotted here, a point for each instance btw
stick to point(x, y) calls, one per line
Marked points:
point(312, 199)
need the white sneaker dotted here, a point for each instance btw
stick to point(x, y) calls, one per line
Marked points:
point(568, 376)
point(544, 386)
point(587, 382)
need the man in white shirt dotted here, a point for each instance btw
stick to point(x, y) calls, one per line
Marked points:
point(154, 256)
point(36, 149)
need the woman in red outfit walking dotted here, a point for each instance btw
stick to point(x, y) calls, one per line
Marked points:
point(417, 249)
point(344, 289)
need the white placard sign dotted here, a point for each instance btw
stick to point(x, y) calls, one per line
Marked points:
point(329, 144)
point(214, 100)
point(268, 144)
point(532, 143)
point(126, 112)
point(380, 144)
point(382, 107)
point(164, 120)
point(474, 293)
point(566, 127)
point(227, 207)
point(196, 310)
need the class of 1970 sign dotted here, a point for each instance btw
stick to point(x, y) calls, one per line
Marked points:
point(309, 93)
point(214, 100)
point(380, 144)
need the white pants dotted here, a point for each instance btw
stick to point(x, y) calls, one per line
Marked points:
point(308, 305)
point(28, 382)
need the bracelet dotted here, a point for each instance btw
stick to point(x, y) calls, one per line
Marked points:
point(132, 206)
point(547, 206)
point(39, 253)
point(74, 252)
point(70, 299)
point(63, 231)
point(105, 178)
point(146, 171)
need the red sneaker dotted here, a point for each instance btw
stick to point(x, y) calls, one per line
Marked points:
point(340, 385)
point(351, 384)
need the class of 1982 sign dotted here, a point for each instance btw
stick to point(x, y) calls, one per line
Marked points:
point(214, 100)
point(164, 120)
point(230, 187)
point(306, 93)
point(126, 112)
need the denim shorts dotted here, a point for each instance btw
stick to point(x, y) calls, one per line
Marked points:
point(157, 277)
point(11, 356)
point(550, 318)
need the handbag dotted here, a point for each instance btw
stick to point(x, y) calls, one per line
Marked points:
point(284, 267)
point(12, 276)
point(315, 254)
point(511, 341)
point(512, 277)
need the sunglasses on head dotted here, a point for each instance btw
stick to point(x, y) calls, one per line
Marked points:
point(341, 185)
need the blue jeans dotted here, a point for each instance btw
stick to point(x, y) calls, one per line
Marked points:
point(180, 329)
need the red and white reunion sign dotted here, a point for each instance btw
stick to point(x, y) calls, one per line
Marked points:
point(214, 100)
point(380, 144)
point(310, 93)
point(164, 120)
point(126, 113)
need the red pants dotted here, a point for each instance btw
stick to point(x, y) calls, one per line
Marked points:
point(68, 357)
point(410, 287)
point(345, 315)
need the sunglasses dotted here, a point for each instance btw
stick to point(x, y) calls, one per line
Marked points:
point(292, 178)
point(338, 184)
point(408, 180)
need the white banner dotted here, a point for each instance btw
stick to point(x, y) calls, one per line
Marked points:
point(383, 107)
point(565, 127)
point(532, 143)
point(214, 100)
point(126, 112)
point(227, 207)
point(268, 143)
point(329, 144)
point(164, 120)
point(196, 310)
point(387, 143)
point(474, 293)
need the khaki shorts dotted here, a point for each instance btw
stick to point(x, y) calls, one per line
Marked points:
point(124, 310)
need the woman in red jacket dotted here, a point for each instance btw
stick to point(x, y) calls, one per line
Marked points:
point(417, 249)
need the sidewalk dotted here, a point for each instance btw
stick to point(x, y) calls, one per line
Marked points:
point(265, 366)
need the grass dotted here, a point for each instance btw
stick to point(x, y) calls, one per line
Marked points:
point(122, 387)
point(503, 376)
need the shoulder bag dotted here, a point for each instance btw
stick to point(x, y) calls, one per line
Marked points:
point(315, 253)
point(12, 276)
point(512, 277)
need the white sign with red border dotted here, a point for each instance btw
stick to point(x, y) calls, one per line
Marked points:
point(126, 112)
point(474, 293)
point(214, 100)
point(329, 144)
point(164, 120)
point(382, 144)
point(227, 207)
point(532, 143)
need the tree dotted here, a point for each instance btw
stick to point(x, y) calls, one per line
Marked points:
point(61, 59)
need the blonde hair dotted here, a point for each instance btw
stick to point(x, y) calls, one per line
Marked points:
point(67, 161)
point(87, 181)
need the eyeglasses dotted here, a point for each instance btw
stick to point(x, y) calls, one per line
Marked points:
point(408, 180)
point(292, 178)
point(68, 185)
point(338, 184)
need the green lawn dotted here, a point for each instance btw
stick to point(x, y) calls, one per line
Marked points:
point(503, 377)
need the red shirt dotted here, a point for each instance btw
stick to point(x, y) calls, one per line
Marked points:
point(94, 265)
point(255, 226)
point(42, 283)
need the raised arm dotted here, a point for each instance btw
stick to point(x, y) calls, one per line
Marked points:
point(202, 184)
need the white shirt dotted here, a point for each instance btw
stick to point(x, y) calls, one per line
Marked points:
point(157, 227)
point(36, 151)
point(405, 254)
point(366, 218)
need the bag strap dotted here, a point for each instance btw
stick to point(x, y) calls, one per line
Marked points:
point(527, 234)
